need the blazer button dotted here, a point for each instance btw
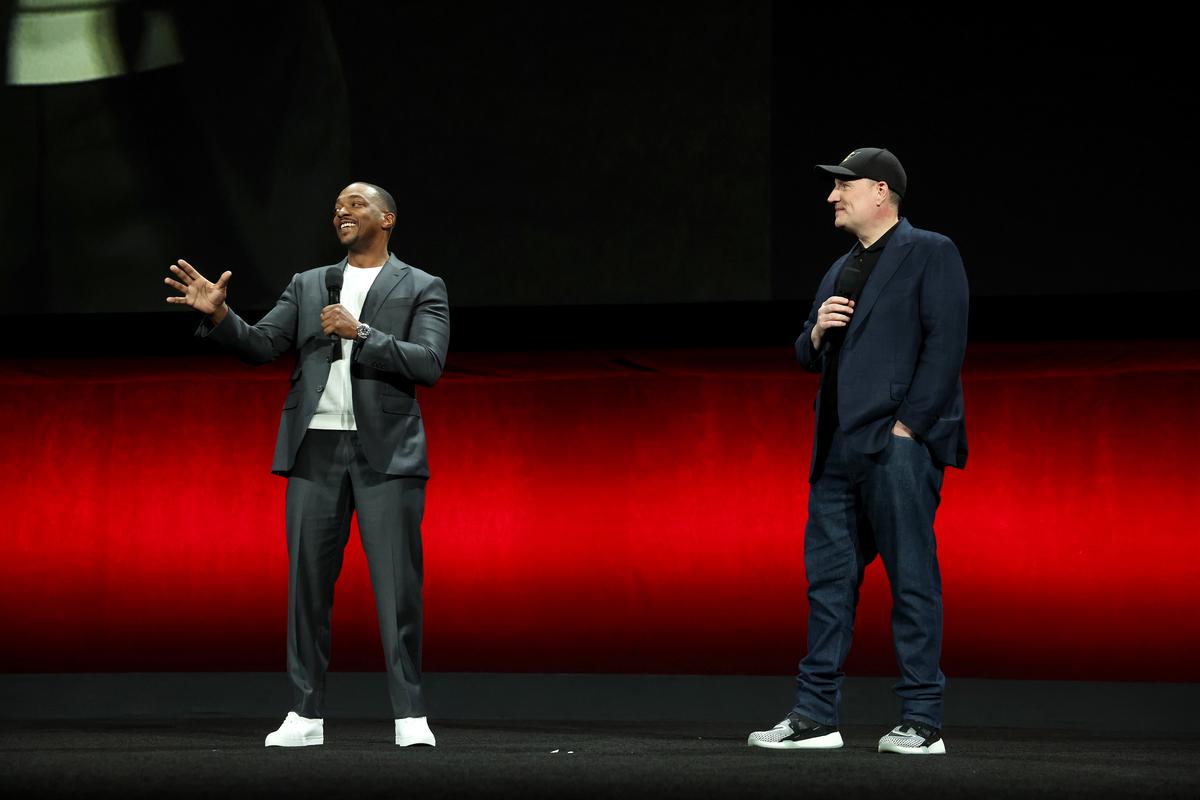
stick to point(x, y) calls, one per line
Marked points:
point(320, 388)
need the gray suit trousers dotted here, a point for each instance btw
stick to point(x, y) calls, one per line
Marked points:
point(332, 480)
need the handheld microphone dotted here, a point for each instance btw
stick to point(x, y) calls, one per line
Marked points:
point(333, 282)
point(849, 283)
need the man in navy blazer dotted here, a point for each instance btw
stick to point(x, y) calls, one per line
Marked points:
point(350, 441)
point(887, 332)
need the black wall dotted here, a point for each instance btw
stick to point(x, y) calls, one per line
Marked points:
point(640, 173)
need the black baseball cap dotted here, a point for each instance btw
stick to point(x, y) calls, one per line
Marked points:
point(875, 163)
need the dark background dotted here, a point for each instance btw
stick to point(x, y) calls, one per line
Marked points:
point(594, 174)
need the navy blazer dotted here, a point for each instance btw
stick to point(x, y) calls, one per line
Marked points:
point(409, 315)
point(902, 355)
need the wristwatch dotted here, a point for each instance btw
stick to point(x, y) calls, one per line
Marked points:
point(364, 330)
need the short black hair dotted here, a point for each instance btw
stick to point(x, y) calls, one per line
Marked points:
point(389, 202)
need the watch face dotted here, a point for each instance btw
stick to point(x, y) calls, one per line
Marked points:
point(363, 330)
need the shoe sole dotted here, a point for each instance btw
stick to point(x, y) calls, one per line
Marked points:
point(830, 741)
point(307, 741)
point(938, 748)
point(411, 742)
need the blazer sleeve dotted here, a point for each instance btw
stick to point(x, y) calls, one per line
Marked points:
point(944, 299)
point(265, 341)
point(806, 354)
point(422, 357)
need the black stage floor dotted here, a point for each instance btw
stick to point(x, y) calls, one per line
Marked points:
point(184, 735)
point(560, 759)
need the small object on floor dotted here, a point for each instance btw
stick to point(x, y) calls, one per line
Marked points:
point(913, 739)
point(297, 731)
point(414, 730)
point(796, 732)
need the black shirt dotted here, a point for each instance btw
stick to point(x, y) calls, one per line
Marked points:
point(865, 259)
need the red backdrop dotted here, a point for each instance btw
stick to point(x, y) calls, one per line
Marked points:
point(604, 512)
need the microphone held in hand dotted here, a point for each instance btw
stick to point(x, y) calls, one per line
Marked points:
point(333, 282)
point(849, 283)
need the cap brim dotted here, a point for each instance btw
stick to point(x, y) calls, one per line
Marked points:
point(836, 171)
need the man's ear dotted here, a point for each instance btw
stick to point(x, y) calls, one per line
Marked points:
point(389, 220)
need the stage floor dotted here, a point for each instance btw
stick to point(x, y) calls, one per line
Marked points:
point(186, 735)
point(560, 759)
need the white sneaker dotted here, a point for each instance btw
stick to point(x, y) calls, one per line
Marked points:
point(795, 732)
point(414, 730)
point(297, 731)
point(913, 739)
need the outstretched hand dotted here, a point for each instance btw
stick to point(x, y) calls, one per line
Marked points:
point(198, 292)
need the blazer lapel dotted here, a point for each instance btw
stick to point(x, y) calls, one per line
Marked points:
point(893, 256)
point(391, 274)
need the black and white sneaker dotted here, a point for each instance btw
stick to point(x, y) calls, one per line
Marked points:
point(913, 739)
point(797, 733)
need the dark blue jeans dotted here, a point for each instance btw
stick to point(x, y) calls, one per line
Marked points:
point(861, 505)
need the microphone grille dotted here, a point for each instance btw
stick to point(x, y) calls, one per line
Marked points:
point(333, 278)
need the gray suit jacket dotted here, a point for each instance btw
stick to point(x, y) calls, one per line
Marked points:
point(409, 314)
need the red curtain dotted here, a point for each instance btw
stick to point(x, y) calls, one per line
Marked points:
point(604, 512)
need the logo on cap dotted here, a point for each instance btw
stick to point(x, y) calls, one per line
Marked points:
point(847, 158)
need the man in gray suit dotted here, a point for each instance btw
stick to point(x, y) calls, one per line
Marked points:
point(350, 441)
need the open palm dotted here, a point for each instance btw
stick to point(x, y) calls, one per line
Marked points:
point(197, 291)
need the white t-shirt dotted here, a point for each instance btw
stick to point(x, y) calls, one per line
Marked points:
point(335, 410)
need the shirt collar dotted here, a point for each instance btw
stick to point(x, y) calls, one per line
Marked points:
point(877, 245)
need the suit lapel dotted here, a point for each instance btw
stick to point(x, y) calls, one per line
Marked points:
point(391, 274)
point(893, 256)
